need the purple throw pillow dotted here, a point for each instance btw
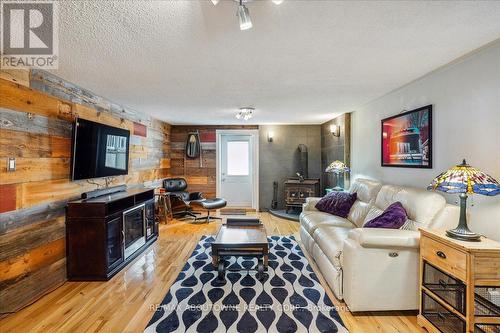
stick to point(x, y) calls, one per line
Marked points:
point(392, 218)
point(337, 203)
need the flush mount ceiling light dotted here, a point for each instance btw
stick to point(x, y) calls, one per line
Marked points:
point(244, 14)
point(245, 113)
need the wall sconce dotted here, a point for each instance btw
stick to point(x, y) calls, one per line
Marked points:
point(335, 130)
point(270, 136)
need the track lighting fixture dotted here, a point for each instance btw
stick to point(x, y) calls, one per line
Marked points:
point(244, 17)
point(244, 14)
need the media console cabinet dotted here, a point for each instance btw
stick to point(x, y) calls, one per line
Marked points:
point(106, 232)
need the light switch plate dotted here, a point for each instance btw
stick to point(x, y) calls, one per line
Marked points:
point(11, 164)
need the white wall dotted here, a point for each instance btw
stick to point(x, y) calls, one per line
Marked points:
point(466, 124)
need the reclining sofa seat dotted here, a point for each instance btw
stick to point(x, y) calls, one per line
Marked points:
point(334, 230)
point(373, 269)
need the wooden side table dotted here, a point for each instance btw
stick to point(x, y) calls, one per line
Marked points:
point(459, 284)
point(163, 207)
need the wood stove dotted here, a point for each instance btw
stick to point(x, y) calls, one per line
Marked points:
point(296, 192)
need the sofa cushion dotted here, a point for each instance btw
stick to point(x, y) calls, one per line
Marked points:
point(310, 204)
point(393, 217)
point(410, 225)
point(366, 189)
point(373, 212)
point(330, 240)
point(311, 220)
point(337, 203)
point(358, 212)
point(421, 206)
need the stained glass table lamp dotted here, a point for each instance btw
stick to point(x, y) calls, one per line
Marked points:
point(337, 167)
point(465, 180)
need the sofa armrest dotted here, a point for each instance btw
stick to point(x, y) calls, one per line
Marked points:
point(385, 238)
point(310, 204)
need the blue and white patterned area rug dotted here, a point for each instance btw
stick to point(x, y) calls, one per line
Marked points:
point(288, 299)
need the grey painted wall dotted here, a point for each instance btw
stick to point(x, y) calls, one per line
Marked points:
point(278, 160)
point(335, 148)
point(466, 117)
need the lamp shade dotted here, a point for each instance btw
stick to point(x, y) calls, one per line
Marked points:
point(337, 167)
point(465, 179)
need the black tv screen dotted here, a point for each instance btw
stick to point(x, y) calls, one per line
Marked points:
point(98, 150)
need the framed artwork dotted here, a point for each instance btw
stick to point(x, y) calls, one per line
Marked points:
point(407, 139)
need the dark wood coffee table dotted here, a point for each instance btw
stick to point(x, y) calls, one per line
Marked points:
point(241, 241)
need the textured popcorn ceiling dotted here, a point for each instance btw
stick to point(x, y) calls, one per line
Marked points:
point(187, 62)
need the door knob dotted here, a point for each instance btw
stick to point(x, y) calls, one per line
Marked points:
point(223, 179)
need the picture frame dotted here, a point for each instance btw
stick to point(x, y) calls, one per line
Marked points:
point(406, 139)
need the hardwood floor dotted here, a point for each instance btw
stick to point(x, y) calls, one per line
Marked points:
point(124, 303)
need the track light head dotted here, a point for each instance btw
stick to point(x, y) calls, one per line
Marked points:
point(244, 17)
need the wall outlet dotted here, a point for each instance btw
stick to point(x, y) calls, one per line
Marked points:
point(11, 164)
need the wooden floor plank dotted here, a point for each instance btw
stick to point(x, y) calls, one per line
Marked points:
point(124, 304)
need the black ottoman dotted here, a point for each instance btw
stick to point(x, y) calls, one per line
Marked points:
point(209, 204)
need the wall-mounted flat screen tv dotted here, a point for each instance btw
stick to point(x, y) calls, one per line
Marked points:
point(98, 150)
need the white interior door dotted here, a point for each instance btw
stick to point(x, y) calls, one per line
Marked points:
point(236, 169)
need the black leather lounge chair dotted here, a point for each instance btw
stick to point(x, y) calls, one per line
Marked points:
point(180, 199)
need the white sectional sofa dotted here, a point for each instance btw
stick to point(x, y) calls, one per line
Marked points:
point(373, 269)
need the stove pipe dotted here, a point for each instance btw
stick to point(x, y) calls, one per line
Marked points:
point(303, 166)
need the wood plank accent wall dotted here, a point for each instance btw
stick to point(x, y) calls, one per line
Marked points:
point(200, 176)
point(36, 114)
